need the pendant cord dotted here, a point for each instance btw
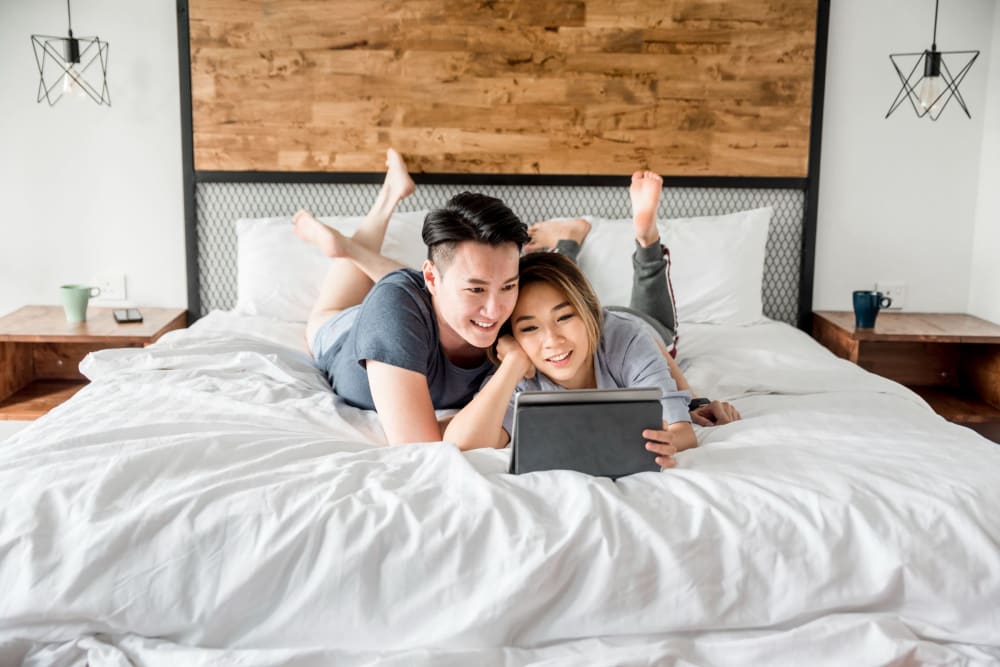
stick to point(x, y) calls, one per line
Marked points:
point(69, 18)
point(933, 40)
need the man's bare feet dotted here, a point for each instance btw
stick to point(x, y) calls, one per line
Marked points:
point(545, 234)
point(329, 240)
point(645, 195)
point(397, 177)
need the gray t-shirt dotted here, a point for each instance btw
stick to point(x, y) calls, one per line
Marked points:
point(395, 325)
point(627, 356)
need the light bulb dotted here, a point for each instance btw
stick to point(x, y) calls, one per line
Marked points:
point(71, 82)
point(928, 93)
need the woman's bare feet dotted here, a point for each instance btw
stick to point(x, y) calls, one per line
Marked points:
point(397, 176)
point(645, 195)
point(329, 240)
point(545, 234)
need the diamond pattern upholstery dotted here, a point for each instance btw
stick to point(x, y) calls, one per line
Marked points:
point(219, 205)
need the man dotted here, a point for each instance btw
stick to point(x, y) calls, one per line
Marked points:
point(407, 342)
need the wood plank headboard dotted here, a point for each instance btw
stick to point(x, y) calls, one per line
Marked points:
point(683, 87)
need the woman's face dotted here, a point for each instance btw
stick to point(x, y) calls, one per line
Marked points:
point(553, 335)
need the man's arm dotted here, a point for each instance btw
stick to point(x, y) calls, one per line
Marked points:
point(403, 403)
point(480, 423)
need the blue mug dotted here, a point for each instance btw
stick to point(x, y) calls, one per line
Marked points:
point(866, 306)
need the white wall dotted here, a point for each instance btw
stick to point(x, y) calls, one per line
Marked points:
point(86, 188)
point(898, 196)
point(984, 288)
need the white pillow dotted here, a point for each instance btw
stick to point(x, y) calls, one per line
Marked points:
point(717, 264)
point(279, 275)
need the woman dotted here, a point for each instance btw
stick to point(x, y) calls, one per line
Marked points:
point(559, 337)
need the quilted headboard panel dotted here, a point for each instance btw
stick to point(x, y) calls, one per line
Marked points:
point(220, 204)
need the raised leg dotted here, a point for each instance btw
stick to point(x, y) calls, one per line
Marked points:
point(357, 262)
point(651, 291)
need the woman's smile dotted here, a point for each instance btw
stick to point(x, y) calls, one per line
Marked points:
point(560, 359)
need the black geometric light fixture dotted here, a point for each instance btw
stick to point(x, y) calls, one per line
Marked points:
point(930, 92)
point(71, 66)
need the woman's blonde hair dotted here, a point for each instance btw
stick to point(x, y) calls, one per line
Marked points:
point(559, 272)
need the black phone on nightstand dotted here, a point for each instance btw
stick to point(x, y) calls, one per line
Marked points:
point(127, 315)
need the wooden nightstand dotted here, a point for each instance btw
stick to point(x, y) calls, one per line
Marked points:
point(40, 352)
point(952, 360)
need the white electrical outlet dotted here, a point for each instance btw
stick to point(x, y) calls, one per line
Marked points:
point(895, 291)
point(112, 286)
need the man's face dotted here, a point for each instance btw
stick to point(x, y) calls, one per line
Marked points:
point(475, 293)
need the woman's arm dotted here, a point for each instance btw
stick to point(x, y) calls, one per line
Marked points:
point(675, 370)
point(715, 413)
point(480, 423)
point(683, 435)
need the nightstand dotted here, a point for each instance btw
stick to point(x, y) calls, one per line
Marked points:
point(951, 360)
point(40, 352)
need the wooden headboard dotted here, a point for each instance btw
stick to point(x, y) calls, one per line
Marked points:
point(721, 94)
point(683, 87)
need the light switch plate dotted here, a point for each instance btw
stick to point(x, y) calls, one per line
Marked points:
point(112, 285)
point(895, 291)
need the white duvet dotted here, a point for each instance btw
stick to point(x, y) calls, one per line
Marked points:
point(207, 501)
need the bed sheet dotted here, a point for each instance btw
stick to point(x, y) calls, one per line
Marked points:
point(207, 500)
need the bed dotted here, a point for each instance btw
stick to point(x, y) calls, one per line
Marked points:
point(208, 500)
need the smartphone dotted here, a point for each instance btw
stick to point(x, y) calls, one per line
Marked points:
point(125, 315)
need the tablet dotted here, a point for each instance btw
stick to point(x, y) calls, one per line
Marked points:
point(593, 431)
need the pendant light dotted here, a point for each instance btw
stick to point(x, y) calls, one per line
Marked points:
point(936, 85)
point(71, 66)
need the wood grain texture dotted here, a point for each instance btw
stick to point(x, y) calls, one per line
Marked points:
point(912, 364)
point(951, 359)
point(47, 324)
point(61, 361)
point(981, 371)
point(683, 87)
point(37, 398)
point(917, 327)
point(40, 352)
point(16, 368)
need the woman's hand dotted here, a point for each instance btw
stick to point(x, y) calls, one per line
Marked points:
point(509, 351)
point(715, 413)
point(659, 442)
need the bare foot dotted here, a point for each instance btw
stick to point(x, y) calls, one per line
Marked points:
point(397, 177)
point(545, 234)
point(329, 240)
point(645, 195)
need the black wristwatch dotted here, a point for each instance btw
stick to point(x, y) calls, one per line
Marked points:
point(698, 402)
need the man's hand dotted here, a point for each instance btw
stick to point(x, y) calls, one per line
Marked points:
point(715, 413)
point(508, 350)
point(658, 442)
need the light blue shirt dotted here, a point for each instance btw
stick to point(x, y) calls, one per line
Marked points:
point(627, 356)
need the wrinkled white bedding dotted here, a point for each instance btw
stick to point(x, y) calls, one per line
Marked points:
point(208, 501)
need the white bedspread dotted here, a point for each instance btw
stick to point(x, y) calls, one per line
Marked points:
point(207, 501)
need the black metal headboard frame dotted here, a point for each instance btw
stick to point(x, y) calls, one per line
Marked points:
point(201, 186)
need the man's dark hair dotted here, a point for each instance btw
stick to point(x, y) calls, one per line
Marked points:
point(470, 216)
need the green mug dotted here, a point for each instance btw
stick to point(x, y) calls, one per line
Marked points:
point(75, 298)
